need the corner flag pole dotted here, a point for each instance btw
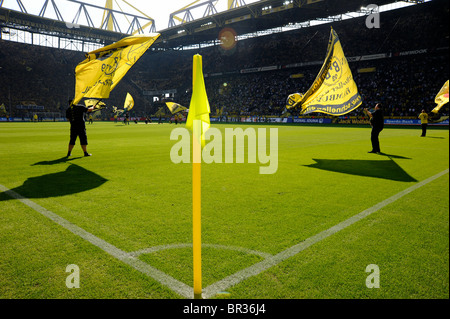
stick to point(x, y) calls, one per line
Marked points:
point(196, 208)
point(199, 122)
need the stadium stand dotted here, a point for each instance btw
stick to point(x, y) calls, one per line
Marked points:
point(40, 80)
point(402, 65)
point(407, 62)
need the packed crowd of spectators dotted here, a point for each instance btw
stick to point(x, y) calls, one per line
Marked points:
point(32, 75)
point(403, 83)
point(404, 86)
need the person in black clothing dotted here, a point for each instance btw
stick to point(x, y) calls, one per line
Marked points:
point(377, 123)
point(75, 115)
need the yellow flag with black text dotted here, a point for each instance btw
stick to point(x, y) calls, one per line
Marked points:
point(96, 103)
point(441, 98)
point(334, 90)
point(102, 70)
point(175, 107)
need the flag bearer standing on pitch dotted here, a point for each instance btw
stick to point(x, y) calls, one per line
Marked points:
point(424, 122)
point(75, 115)
point(377, 123)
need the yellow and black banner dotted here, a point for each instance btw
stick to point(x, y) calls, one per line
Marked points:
point(334, 91)
point(175, 107)
point(96, 103)
point(441, 98)
point(129, 102)
point(103, 69)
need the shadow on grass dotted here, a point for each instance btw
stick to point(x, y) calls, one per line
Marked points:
point(369, 168)
point(393, 156)
point(74, 179)
point(57, 161)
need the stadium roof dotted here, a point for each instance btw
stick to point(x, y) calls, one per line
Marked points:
point(36, 24)
point(254, 17)
point(258, 16)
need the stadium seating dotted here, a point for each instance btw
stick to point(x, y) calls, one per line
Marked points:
point(405, 79)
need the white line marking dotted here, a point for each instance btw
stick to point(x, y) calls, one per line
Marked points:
point(258, 268)
point(212, 290)
point(166, 280)
point(175, 246)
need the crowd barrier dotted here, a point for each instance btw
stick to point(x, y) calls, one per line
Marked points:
point(281, 120)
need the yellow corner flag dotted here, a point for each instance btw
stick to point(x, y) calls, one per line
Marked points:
point(334, 91)
point(197, 121)
point(441, 98)
point(199, 108)
point(102, 70)
point(129, 102)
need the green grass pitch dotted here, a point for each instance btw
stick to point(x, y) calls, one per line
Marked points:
point(131, 195)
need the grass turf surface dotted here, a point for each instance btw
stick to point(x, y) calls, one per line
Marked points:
point(131, 195)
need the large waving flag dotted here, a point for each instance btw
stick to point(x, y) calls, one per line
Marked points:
point(334, 91)
point(441, 98)
point(98, 105)
point(103, 69)
point(127, 106)
point(129, 102)
point(175, 107)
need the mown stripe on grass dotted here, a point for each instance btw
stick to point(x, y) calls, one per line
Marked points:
point(258, 268)
point(214, 289)
point(166, 280)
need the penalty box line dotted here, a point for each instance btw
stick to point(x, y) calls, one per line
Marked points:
point(161, 277)
point(274, 260)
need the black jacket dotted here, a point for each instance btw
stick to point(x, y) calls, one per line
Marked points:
point(377, 119)
point(75, 114)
